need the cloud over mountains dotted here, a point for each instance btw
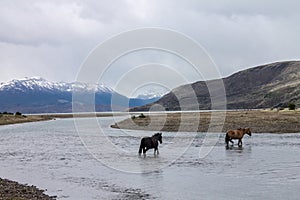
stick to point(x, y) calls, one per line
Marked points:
point(52, 38)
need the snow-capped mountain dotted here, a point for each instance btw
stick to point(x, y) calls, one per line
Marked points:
point(37, 95)
point(151, 95)
point(40, 84)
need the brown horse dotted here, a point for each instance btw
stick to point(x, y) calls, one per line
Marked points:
point(236, 135)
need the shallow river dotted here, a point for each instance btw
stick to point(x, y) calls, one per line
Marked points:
point(52, 155)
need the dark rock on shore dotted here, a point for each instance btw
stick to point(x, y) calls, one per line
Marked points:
point(11, 190)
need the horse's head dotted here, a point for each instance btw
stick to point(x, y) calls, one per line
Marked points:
point(159, 137)
point(248, 131)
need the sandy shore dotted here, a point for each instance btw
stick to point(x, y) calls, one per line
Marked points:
point(260, 121)
point(11, 190)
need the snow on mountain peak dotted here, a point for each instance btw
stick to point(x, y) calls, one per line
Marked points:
point(41, 84)
point(150, 94)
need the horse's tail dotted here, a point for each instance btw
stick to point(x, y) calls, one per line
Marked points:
point(141, 147)
point(227, 138)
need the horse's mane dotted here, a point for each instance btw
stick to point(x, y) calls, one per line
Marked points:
point(156, 134)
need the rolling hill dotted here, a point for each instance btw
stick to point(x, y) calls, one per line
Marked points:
point(266, 86)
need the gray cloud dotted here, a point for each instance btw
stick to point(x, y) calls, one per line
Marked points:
point(52, 38)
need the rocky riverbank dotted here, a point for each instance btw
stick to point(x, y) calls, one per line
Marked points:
point(11, 190)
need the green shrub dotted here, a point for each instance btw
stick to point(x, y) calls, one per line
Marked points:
point(7, 113)
point(18, 114)
point(292, 106)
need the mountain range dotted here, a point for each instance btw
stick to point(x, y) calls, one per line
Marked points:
point(267, 86)
point(37, 95)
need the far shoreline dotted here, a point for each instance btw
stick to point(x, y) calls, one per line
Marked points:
point(16, 119)
point(260, 121)
point(10, 119)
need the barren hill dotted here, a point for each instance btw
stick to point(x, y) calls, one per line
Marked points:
point(266, 86)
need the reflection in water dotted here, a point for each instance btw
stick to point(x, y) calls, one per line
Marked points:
point(246, 149)
point(51, 155)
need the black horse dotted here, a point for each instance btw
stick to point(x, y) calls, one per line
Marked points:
point(150, 143)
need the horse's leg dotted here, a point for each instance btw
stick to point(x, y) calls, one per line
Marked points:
point(141, 148)
point(156, 150)
point(227, 143)
point(240, 143)
point(227, 139)
point(230, 140)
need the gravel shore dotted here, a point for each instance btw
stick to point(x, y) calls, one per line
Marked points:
point(11, 190)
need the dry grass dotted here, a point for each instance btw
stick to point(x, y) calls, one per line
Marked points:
point(260, 121)
point(13, 119)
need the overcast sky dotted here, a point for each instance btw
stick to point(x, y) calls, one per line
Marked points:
point(52, 38)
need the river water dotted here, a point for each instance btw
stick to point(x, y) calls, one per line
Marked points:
point(52, 155)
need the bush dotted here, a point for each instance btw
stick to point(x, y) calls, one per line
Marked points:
point(7, 113)
point(142, 115)
point(292, 106)
point(18, 114)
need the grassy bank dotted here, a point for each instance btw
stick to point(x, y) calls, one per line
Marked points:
point(14, 119)
point(6, 119)
point(260, 121)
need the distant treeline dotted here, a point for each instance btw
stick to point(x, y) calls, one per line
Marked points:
point(9, 113)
